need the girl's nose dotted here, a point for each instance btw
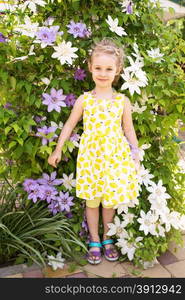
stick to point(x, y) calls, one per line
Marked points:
point(103, 74)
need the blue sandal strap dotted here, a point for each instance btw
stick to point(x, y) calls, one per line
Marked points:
point(106, 242)
point(95, 244)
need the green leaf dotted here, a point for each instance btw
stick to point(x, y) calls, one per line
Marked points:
point(7, 129)
point(12, 144)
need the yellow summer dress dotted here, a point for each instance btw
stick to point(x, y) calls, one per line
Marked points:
point(105, 168)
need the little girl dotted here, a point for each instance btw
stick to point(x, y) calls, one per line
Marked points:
point(106, 169)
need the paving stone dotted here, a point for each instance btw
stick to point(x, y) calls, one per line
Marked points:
point(11, 270)
point(59, 273)
point(77, 275)
point(179, 252)
point(177, 269)
point(157, 271)
point(105, 269)
point(19, 275)
point(33, 274)
point(167, 258)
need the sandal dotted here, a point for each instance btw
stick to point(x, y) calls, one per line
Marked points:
point(109, 253)
point(96, 254)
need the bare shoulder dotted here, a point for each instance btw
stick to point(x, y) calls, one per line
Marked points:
point(127, 103)
point(79, 101)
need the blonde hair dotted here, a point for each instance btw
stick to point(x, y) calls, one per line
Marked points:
point(108, 46)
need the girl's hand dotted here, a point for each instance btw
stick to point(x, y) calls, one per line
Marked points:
point(137, 165)
point(54, 158)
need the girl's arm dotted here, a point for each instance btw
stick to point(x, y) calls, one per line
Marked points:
point(128, 127)
point(70, 124)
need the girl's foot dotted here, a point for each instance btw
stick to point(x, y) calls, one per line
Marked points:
point(110, 251)
point(94, 253)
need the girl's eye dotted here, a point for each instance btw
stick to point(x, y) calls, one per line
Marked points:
point(109, 69)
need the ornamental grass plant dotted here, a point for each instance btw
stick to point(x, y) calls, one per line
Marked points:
point(28, 232)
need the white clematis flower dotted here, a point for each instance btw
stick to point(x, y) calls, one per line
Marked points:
point(65, 53)
point(132, 83)
point(155, 54)
point(68, 181)
point(28, 28)
point(137, 109)
point(56, 262)
point(117, 228)
point(32, 5)
point(158, 191)
point(113, 26)
point(148, 222)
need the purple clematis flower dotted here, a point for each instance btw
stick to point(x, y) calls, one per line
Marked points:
point(69, 215)
point(70, 99)
point(8, 105)
point(79, 74)
point(49, 193)
point(78, 29)
point(54, 100)
point(47, 36)
point(39, 119)
point(36, 192)
point(27, 183)
point(64, 201)
point(75, 137)
point(45, 131)
point(53, 207)
point(129, 8)
point(49, 180)
point(2, 38)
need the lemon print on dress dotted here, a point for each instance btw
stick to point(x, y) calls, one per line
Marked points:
point(102, 116)
point(94, 193)
point(120, 190)
point(93, 110)
point(126, 163)
point(89, 180)
point(89, 127)
point(86, 195)
point(93, 120)
point(81, 158)
point(112, 114)
point(97, 166)
point(97, 125)
point(99, 188)
point(86, 187)
point(81, 180)
point(86, 164)
point(107, 122)
point(123, 181)
point(98, 153)
point(87, 113)
point(113, 184)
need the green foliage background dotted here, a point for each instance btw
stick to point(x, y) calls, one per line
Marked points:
point(22, 154)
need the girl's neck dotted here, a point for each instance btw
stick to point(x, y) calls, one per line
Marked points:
point(108, 91)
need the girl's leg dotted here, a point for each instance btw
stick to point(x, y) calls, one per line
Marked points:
point(92, 215)
point(108, 215)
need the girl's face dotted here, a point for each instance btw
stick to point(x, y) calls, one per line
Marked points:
point(104, 69)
